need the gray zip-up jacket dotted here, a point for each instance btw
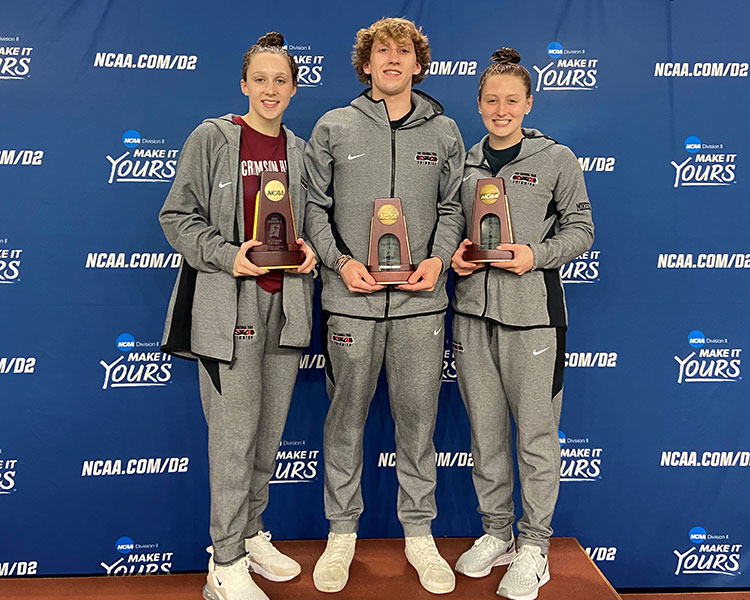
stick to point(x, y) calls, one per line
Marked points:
point(203, 219)
point(353, 157)
point(550, 212)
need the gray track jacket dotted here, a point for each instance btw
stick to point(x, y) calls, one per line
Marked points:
point(203, 220)
point(352, 158)
point(550, 212)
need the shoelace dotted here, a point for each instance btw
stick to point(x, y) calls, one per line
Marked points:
point(264, 537)
point(488, 543)
point(520, 555)
point(525, 555)
point(427, 550)
point(337, 550)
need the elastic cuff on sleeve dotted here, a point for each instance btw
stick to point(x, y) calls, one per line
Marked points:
point(538, 251)
point(229, 254)
point(446, 264)
point(330, 258)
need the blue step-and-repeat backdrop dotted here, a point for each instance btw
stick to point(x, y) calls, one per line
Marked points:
point(102, 439)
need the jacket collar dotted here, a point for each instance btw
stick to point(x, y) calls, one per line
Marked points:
point(534, 141)
point(425, 107)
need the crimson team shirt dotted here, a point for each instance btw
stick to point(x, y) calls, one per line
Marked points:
point(259, 153)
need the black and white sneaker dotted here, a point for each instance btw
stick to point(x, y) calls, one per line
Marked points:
point(527, 572)
point(231, 582)
point(487, 552)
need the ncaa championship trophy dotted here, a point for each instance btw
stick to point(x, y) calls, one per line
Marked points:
point(273, 226)
point(389, 258)
point(491, 224)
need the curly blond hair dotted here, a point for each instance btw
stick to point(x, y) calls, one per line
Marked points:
point(399, 30)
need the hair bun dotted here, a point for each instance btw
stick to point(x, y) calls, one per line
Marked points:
point(506, 55)
point(272, 38)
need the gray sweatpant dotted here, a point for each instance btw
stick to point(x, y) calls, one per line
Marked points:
point(412, 348)
point(506, 371)
point(246, 406)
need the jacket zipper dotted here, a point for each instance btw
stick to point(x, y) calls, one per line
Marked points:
point(486, 290)
point(393, 191)
point(393, 162)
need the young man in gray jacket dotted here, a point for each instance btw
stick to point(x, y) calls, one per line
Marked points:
point(390, 142)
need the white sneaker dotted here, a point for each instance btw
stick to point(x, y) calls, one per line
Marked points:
point(267, 561)
point(231, 582)
point(434, 573)
point(487, 552)
point(528, 572)
point(332, 569)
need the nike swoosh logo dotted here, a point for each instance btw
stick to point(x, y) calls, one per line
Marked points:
point(538, 352)
point(465, 178)
point(218, 581)
point(438, 330)
point(350, 157)
point(223, 185)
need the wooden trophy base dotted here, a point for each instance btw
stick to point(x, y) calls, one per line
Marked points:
point(276, 259)
point(476, 255)
point(395, 276)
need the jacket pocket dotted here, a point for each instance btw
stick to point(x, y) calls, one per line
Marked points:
point(214, 315)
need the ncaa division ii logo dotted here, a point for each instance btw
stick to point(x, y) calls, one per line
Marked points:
point(134, 368)
point(709, 364)
point(10, 263)
point(15, 60)
point(579, 462)
point(582, 269)
point(570, 69)
point(711, 554)
point(146, 165)
point(295, 463)
point(8, 468)
point(706, 164)
point(138, 559)
point(310, 65)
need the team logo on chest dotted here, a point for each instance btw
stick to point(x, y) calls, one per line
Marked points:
point(426, 158)
point(524, 178)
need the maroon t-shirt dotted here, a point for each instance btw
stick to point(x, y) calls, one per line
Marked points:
point(259, 153)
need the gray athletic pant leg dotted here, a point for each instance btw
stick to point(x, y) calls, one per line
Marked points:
point(412, 348)
point(504, 371)
point(246, 414)
point(414, 367)
point(478, 374)
point(355, 349)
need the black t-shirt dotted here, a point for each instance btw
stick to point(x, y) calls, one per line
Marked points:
point(398, 122)
point(497, 159)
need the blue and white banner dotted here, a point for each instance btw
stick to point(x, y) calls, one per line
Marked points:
point(102, 437)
